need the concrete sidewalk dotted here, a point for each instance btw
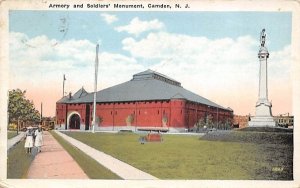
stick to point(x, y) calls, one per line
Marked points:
point(118, 167)
point(14, 140)
point(54, 162)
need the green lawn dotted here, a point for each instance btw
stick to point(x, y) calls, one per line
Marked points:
point(275, 151)
point(91, 167)
point(18, 161)
point(188, 157)
point(11, 134)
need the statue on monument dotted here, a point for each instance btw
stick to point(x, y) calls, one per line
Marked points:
point(262, 38)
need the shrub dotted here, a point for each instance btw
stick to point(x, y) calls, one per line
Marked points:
point(129, 120)
point(12, 127)
point(164, 120)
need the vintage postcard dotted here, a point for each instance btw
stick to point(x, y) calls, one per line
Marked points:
point(149, 93)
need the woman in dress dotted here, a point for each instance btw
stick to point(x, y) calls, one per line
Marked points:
point(38, 138)
point(29, 139)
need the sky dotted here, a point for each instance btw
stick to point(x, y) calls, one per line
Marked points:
point(213, 54)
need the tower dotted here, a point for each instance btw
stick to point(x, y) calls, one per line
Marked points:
point(263, 111)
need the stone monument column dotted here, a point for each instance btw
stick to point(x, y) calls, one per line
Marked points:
point(263, 112)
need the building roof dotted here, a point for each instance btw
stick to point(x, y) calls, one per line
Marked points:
point(145, 86)
point(150, 74)
point(80, 93)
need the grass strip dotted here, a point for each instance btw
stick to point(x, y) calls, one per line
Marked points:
point(11, 134)
point(18, 161)
point(90, 166)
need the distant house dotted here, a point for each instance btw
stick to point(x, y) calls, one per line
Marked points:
point(149, 99)
point(286, 121)
point(240, 121)
point(48, 122)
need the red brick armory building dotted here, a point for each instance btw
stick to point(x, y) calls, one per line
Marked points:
point(149, 100)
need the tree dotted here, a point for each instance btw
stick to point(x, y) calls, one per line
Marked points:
point(21, 109)
point(164, 120)
point(200, 124)
point(129, 120)
point(209, 121)
point(227, 124)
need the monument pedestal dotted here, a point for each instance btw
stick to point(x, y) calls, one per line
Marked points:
point(262, 121)
point(263, 117)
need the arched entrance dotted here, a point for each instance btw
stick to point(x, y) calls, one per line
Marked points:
point(74, 122)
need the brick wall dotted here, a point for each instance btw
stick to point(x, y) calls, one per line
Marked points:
point(178, 112)
point(241, 121)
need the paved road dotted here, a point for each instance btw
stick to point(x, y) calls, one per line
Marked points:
point(54, 162)
point(120, 168)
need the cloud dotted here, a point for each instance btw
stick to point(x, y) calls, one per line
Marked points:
point(39, 63)
point(109, 18)
point(167, 45)
point(224, 70)
point(41, 54)
point(280, 62)
point(137, 26)
point(207, 62)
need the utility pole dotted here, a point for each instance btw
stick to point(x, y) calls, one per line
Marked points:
point(41, 113)
point(18, 125)
point(95, 89)
point(64, 79)
point(217, 117)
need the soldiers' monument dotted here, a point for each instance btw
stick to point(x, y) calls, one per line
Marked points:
point(263, 113)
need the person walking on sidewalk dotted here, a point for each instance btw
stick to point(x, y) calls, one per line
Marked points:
point(38, 138)
point(29, 139)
